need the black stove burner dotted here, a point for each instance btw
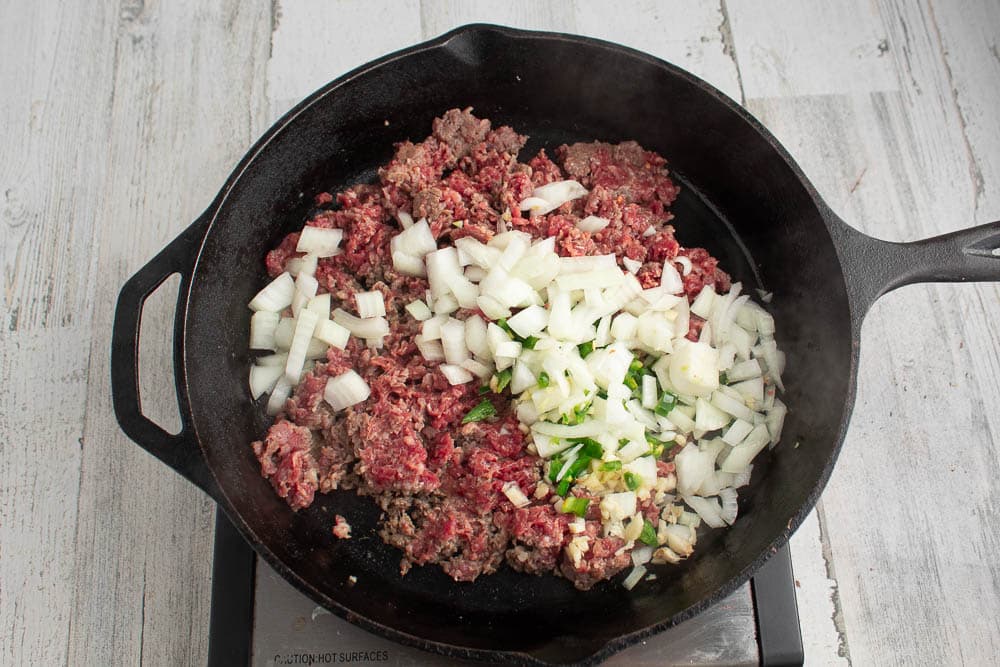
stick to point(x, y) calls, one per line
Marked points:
point(779, 638)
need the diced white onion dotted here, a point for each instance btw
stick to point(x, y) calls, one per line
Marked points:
point(730, 505)
point(408, 265)
point(319, 241)
point(371, 327)
point(453, 342)
point(634, 577)
point(276, 296)
point(305, 289)
point(305, 264)
point(632, 265)
point(320, 304)
point(431, 350)
point(671, 281)
point(708, 509)
point(742, 455)
point(263, 379)
point(592, 224)
point(529, 322)
point(515, 495)
point(735, 434)
point(475, 338)
point(685, 264)
point(345, 390)
point(694, 368)
point(273, 360)
point(692, 467)
point(649, 396)
point(305, 326)
point(419, 310)
point(262, 326)
point(455, 374)
point(479, 369)
point(332, 334)
point(370, 304)
point(282, 390)
point(416, 241)
point(559, 192)
point(405, 219)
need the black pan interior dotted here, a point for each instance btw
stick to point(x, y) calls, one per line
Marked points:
point(742, 200)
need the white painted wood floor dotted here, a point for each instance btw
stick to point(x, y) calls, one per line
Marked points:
point(120, 120)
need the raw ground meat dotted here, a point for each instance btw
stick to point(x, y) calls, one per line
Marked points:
point(440, 482)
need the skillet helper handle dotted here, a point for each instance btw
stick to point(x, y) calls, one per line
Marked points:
point(179, 451)
point(876, 267)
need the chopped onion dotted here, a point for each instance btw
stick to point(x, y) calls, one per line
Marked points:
point(370, 304)
point(345, 390)
point(521, 378)
point(730, 504)
point(592, 224)
point(416, 241)
point(596, 278)
point(685, 264)
point(536, 205)
point(283, 333)
point(371, 327)
point(405, 219)
point(735, 434)
point(708, 509)
point(642, 555)
point(282, 390)
point(509, 349)
point(708, 417)
point(775, 420)
point(694, 368)
point(744, 370)
point(529, 322)
point(619, 506)
point(515, 495)
point(408, 265)
point(442, 268)
point(262, 326)
point(632, 265)
point(453, 342)
point(305, 326)
point(692, 467)
point(276, 296)
point(419, 310)
point(742, 455)
point(743, 478)
point(702, 304)
point(455, 374)
point(475, 273)
point(559, 192)
point(732, 406)
point(304, 264)
point(471, 251)
point(431, 350)
point(671, 280)
point(479, 369)
point(305, 289)
point(680, 539)
point(332, 334)
point(634, 577)
point(649, 395)
point(319, 241)
point(320, 304)
point(263, 379)
point(475, 338)
point(446, 304)
point(492, 308)
point(273, 360)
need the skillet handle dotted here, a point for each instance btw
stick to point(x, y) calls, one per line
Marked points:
point(181, 451)
point(874, 267)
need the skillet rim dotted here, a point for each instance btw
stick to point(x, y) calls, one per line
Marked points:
point(831, 220)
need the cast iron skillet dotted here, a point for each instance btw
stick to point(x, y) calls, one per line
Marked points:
point(743, 198)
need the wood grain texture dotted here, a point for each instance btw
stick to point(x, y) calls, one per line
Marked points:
point(896, 161)
point(187, 103)
point(55, 77)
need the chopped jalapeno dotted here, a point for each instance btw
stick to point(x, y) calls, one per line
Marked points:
point(590, 448)
point(666, 404)
point(585, 348)
point(543, 380)
point(529, 342)
point(648, 534)
point(723, 378)
point(577, 506)
point(482, 411)
point(563, 487)
point(611, 465)
point(503, 379)
point(632, 481)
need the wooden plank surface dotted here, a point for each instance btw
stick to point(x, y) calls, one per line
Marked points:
point(121, 120)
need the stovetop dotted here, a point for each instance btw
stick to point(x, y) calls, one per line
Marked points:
point(259, 619)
